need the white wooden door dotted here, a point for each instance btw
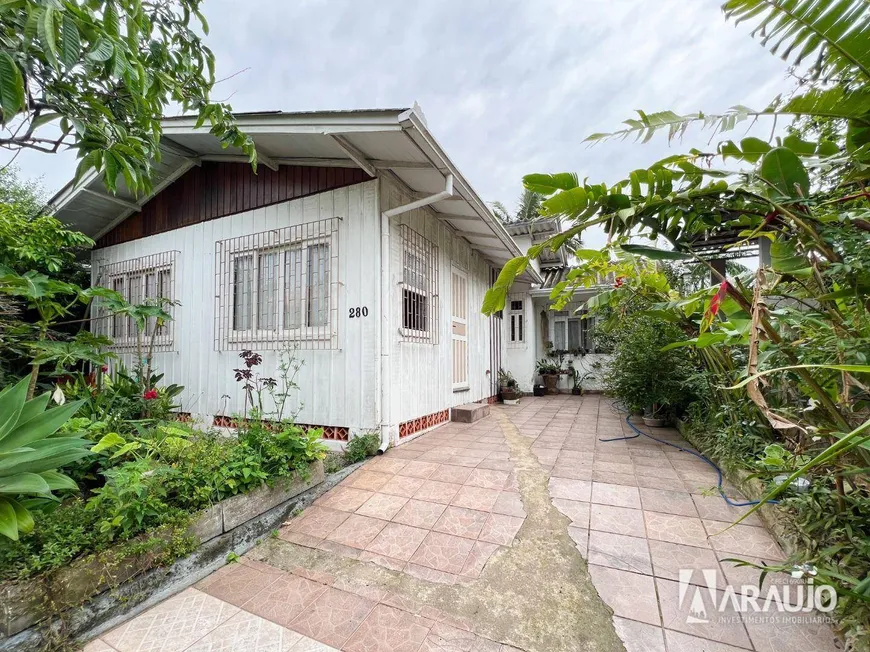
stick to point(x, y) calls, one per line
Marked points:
point(459, 327)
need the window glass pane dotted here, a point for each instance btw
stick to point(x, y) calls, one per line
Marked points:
point(135, 297)
point(516, 306)
point(118, 321)
point(574, 334)
point(559, 336)
point(294, 295)
point(150, 293)
point(243, 292)
point(519, 319)
point(164, 284)
point(415, 308)
point(318, 285)
point(267, 291)
point(513, 328)
point(164, 291)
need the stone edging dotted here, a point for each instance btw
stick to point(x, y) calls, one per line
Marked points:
point(101, 598)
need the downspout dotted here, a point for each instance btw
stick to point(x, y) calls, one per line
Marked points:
point(385, 413)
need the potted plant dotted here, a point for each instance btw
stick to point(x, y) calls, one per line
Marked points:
point(645, 374)
point(578, 379)
point(508, 388)
point(550, 372)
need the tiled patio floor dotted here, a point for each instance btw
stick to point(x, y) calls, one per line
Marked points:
point(437, 509)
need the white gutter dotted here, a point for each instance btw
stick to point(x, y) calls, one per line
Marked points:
point(384, 408)
point(411, 122)
point(420, 203)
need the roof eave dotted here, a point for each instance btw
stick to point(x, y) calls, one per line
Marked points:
point(411, 121)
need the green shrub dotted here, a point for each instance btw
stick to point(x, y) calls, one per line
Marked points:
point(58, 537)
point(361, 447)
point(643, 376)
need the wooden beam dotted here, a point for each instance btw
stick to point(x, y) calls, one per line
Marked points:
point(266, 160)
point(484, 236)
point(112, 198)
point(354, 154)
point(458, 218)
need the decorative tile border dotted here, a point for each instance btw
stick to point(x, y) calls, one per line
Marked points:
point(422, 423)
point(336, 433)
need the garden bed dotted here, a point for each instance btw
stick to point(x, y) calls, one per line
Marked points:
point(105, 587)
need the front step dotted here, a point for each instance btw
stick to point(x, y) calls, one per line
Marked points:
point(469, 413)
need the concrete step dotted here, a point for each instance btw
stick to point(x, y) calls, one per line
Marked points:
point(469, 413)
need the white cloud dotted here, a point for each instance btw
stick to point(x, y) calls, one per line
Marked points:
point(508, 87)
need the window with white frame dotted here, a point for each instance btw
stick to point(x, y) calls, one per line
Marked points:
point(146, 280)
point(516, 322)
point(569, 331)
point(279, 286)
point(419, 287)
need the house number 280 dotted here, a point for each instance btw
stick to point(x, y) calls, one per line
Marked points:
point(359, 311)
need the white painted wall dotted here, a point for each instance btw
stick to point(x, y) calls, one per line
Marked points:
point(421, 381)
point(338, 387)
point(519, 357)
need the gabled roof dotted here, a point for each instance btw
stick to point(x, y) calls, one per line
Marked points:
point(388, 141)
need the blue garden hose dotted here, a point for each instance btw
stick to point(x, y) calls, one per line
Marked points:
point(685, 450)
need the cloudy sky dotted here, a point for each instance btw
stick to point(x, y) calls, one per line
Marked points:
point(508, 87)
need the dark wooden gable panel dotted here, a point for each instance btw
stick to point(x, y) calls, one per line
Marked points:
point(216, 190)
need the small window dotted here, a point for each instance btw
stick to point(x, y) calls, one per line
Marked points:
point(419, 287)
point(279, 286)
point(139, 280)
point(516, 322)
point(569, 332)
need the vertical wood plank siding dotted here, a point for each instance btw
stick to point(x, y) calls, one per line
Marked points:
point(216, 190)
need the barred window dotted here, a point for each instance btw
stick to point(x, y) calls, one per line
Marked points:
point(138, 280)
point(419, 287)
point(279, 286)
point(516, 322)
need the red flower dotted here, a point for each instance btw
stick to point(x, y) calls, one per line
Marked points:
point(716, 301)
point(619, 282)
point(105, 369)
point(150, 395)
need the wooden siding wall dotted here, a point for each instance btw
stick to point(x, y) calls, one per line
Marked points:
point(336, 387)
point(215, 190)
point(422, 373)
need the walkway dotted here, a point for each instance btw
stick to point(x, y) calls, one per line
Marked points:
point(459, 541)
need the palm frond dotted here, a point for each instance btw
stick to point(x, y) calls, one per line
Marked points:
point(528, 207)
point(834, 102)
point(836, 32)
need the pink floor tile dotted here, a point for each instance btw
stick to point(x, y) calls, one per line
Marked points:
point(333, 617)
point(397, 541)
point(443, 552)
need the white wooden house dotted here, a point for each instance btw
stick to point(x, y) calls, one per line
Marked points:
point(357, 240)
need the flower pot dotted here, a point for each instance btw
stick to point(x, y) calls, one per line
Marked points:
point(654, 422)
point(539, 390)
point(577, 391)
point(550, 381)
point(509, 394)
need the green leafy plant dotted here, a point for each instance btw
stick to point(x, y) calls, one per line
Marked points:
point(98, 77)
point(361, 447)
point(547, 367)
point(797, 331)
point(30, 455)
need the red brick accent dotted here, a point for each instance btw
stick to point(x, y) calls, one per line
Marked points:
point(338, 433)
point(422, 423)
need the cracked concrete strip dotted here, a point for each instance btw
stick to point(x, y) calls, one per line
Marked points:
point(536, 595)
